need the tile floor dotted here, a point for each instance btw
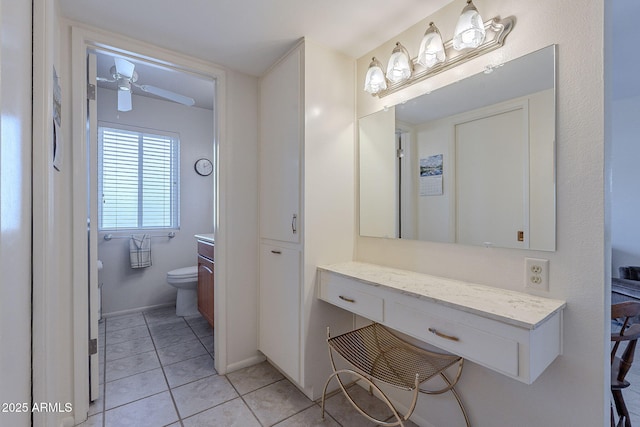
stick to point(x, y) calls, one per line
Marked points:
point(158, 370)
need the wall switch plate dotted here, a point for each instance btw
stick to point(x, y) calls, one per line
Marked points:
point(536, 274)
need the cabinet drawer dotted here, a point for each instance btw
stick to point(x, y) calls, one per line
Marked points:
point(494, 351)
point(350, 296)
point(205, 249)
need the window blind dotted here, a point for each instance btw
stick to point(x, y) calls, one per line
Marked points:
point(138, 180)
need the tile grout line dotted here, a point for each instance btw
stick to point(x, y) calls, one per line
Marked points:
point(175, 405)
point(241, 396)
point(180, 419)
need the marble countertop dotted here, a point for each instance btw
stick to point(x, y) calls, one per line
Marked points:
point(205, 237)
point(515, 308)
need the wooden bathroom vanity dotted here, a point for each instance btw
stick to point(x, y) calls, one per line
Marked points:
point(510, 332)
point(205, 276)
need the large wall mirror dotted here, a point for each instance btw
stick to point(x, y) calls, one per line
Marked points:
point(470, 163)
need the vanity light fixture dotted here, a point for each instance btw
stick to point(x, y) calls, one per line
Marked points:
point(472, 38)
point(431, 48)
point(470, 32)
point(375, 81)
point(400, 66)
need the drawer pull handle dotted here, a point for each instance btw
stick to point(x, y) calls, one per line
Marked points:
point(276, 252)
point(346, 299)
point(441, 335)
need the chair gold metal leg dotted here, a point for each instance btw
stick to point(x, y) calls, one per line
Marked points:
point(380, 356)
point(455, 394)
point(385, 399)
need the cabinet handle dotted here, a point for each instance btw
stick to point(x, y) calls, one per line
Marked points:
point(294, 223)
point(346, 299)
point(445, 336)
point(273, 251)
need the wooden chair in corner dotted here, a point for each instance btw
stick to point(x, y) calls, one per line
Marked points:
point(621, 363)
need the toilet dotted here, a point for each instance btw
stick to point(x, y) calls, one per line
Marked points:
point(186, 281)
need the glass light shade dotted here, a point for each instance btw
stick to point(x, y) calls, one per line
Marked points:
point(470, 31)
point(431, 48)
point(375, 81)
point(124, 84)
point(399, 68)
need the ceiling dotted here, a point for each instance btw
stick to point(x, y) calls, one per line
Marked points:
point(250, 35)
point(247, 36)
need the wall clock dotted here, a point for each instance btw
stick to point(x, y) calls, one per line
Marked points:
point(203, 166)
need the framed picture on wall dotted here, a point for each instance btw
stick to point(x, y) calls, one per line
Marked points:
point(431, 175)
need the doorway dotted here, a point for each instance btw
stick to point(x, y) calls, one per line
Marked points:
point(622, 102)
point(151, 124)
point(148, 60)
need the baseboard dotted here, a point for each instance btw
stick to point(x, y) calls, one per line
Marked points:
point(137, 310)
point(258, 358)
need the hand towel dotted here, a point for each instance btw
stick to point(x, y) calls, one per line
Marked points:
point(140, 250)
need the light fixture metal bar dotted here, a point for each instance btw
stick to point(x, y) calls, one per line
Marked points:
point(496, 32)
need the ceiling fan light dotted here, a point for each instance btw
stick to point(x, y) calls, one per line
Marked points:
point(470, 32)
point(400, 66)
point(431, 48)
point(124, 84)
point(124, 100)
point(375, 81)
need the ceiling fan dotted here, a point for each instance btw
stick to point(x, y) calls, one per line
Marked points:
point(125, 76)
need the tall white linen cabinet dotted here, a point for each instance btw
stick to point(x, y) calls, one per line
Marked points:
point(307, 204)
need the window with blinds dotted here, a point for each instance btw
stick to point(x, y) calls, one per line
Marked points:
point(138, 180)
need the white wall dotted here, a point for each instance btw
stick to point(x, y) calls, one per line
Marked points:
point(241, 227)
point(15, 209)
point(625, 200)
point(378, 179)
point(124, 288)
point(573, 390)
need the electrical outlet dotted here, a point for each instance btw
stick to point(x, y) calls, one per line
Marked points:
point(536, 273)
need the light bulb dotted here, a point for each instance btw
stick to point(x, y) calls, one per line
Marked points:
point(375, 81)
point(399, 68)
point(431, 48)
point(470, 30)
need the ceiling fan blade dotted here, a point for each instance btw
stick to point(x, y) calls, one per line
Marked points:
point(124, 100)
point(124, 67)
point(172, 96)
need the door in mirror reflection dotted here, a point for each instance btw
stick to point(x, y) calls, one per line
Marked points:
point(490, 180)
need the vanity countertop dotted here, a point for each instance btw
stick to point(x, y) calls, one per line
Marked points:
point(511, 307)
point(205, 237)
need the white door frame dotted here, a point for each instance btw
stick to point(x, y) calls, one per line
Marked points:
point(83, 38)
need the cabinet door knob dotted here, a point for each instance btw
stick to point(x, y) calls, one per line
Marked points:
point(273, 251)
point(343, 298)
point(294, 224)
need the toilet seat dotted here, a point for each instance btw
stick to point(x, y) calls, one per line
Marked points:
point(183, 275)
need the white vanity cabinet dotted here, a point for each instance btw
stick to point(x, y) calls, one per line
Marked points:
point(279, 326)
point(510, 332)
point(280, 148)
point(307, 217)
